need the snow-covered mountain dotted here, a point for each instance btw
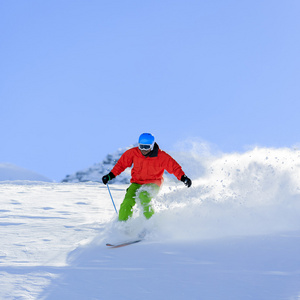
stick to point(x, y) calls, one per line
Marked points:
point(12, 172)
point(98, 170)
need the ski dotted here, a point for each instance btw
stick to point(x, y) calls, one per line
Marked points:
point(123, 244)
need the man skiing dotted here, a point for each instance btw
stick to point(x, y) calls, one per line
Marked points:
point(149, 164)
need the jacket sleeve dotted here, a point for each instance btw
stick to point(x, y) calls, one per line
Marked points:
point(123, 163)
point(172, 166)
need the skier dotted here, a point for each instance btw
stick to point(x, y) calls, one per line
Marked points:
point(149, 163)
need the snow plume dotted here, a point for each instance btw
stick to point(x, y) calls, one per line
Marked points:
point(251, 193)
point(191, 153)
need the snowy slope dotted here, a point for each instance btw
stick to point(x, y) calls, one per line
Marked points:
point(12, 172)
point(234, 235)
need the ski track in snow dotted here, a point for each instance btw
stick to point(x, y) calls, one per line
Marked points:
point(234, 235)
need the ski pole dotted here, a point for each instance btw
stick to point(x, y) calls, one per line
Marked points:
point(111, 198)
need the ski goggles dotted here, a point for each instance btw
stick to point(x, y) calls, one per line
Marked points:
point(146, 147)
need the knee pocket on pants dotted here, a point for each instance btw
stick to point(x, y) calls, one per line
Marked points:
point(145, 197)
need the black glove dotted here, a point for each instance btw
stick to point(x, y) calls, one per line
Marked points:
point(108, 177)
point(186, 180)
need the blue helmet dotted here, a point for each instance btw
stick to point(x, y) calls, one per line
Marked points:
point(146, 139)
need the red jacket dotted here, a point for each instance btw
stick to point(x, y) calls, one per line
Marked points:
point(147, 169)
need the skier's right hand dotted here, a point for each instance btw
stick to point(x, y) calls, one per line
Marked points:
point(108, 177)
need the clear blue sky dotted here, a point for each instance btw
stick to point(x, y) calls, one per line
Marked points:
point(79, 79)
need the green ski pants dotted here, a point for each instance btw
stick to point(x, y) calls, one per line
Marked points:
point(144, 193)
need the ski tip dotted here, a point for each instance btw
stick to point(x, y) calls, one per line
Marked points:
point(123, 244)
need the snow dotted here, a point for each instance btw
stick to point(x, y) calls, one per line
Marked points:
point(235, 234)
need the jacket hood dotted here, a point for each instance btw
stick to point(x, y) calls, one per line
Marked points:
point(154, 152)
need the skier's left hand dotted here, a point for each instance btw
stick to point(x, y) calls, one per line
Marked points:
point(187, 181)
